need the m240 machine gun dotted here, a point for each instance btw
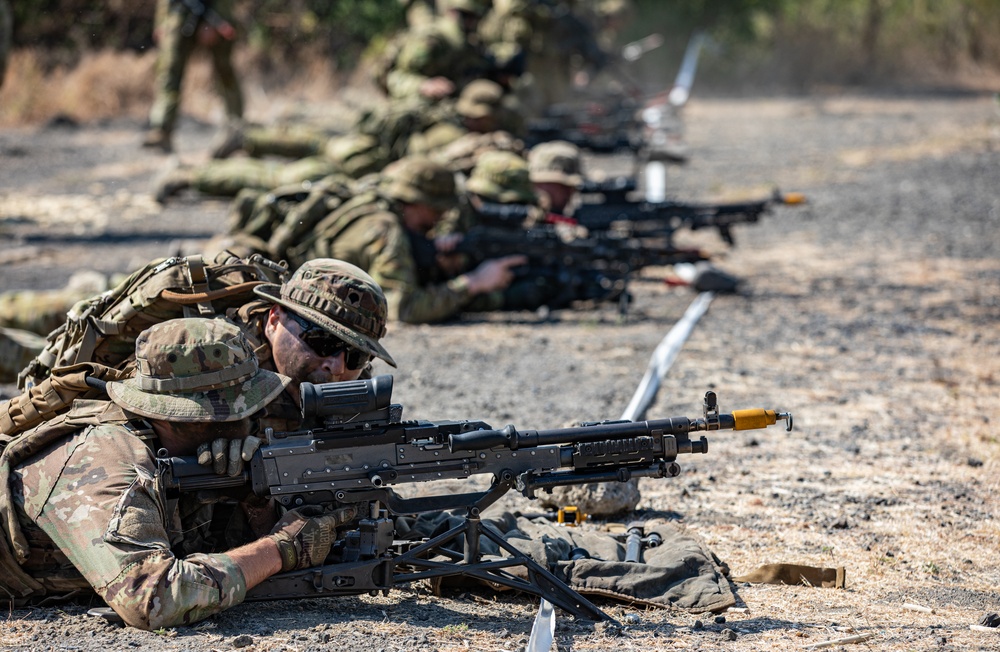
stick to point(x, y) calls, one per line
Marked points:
point(614, 213)
point(358, 448)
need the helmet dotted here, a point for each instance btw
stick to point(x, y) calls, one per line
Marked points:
point(502, 177)
point(419, 180)
point(557, 161)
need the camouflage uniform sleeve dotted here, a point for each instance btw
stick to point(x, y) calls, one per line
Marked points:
point(392, 265)
point(409, 70)
point(98, 496)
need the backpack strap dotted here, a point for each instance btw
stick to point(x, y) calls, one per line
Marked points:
point(199, 285)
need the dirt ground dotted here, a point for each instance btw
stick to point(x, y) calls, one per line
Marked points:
point(871, 314)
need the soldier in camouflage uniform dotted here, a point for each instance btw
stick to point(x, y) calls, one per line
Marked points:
point(385, 231)
point(322, 325)
point(557, 41)
point(439, 59)
point(499, 177)
point(86, 509)
point(179, 31)
point(419, 13)
point(505, 178)
point(26, 316)
point(405, 127)
point(556, 174)
point(6, 36)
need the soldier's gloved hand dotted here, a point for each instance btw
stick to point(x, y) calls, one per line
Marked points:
point(306, 534)
point(227, 456)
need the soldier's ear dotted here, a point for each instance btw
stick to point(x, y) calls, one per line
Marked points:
point(274, 317)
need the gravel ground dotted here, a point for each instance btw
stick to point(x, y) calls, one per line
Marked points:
point(870, 313)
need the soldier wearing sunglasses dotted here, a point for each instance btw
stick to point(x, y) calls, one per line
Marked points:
point(322, 325)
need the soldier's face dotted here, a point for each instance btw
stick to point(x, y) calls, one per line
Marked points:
point(295, 359)
point(559, 195)
point(421, 218)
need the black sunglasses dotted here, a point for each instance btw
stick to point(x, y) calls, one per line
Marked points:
point(325, 344)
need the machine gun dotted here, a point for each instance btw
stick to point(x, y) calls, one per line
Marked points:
point(643, 219)
point(357, 448)
point(600, 126)
point(559, 271)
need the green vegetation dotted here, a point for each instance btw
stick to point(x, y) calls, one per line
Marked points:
point(789, 42)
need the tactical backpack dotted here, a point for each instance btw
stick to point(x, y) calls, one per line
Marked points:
point(103, 329)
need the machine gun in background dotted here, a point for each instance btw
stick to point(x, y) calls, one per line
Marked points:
point(357, 447)
point(560, 269)
point(632, 119)
point(645, 219)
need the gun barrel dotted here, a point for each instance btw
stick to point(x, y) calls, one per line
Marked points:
point(509, 437)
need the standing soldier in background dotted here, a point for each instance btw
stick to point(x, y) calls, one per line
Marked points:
point(6, 36)
point(181, 26)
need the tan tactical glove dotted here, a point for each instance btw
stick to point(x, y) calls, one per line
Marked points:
point(227, 456)
point(305, 535)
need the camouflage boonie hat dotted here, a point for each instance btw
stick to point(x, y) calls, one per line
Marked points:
point(479, 99)
point(502, 177)
point(196, 370)
point(419, 180)
point(555, 162)
point(340, 298)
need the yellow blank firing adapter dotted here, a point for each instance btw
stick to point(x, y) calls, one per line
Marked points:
point(791, 199)
point(756, 418)
point(570, 516)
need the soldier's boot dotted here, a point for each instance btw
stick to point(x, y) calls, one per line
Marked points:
point(158, 138)
point(172, 182)
point(229, 140)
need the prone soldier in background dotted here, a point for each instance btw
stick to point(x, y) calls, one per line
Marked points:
point(377, 230)
point(556, 173)
point(406, 126)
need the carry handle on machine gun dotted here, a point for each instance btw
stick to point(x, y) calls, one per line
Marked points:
point(645, 219)
point(359, 447)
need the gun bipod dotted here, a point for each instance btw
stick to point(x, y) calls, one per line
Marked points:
point(540, 582)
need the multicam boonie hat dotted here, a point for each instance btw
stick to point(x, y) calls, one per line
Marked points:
point(502, 177)
point(419, 180)
point(338, 297)
point(479, 99)
point(557, 161)
point(196, 370)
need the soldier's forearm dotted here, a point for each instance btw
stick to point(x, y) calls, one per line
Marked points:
point(258, 560)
